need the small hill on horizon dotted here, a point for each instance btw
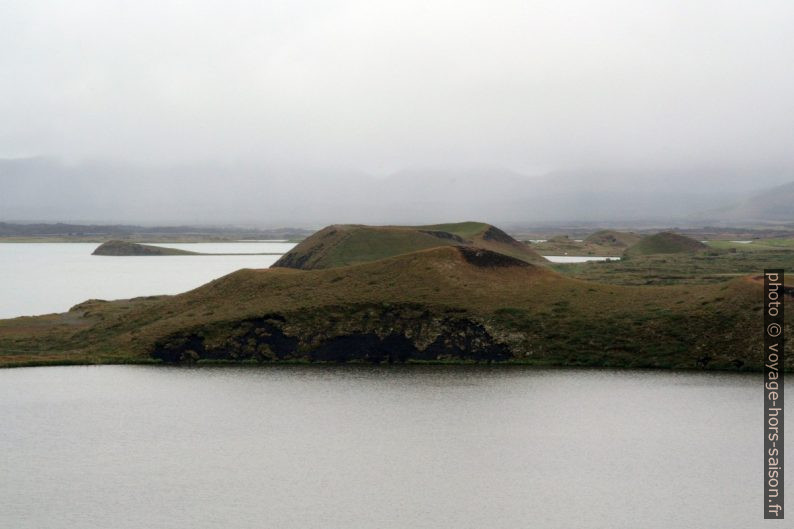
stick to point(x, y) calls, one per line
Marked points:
point(125, 248)
point(613, 238)
point(605, 243)
point(348, 244)
point(665, 242)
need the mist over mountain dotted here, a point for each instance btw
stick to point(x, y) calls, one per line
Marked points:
point(775, 205)
point(309, 112)
point(45, 189)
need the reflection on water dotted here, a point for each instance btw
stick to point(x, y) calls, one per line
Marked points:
point(376, 447)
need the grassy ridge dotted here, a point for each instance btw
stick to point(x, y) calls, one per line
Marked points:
point(619, 239)
point(344, 245)
point(465, 230)
point(664, 243)
point(440, 304)
point(443, 293)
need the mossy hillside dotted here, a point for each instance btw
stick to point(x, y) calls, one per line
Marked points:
point(465, 230)
point(440, 304)
point(614, 238)
point(343, 245)
point(664, 243)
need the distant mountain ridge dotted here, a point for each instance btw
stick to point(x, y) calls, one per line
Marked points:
point(772, 205)
point(9, 229)
point(41, 189)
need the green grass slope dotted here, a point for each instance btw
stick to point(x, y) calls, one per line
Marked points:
point(619, 239)
point(124, 248)
point(465, 230)
point(443, 304)
point(723, 261)
point(343, 245)
point(664, 243)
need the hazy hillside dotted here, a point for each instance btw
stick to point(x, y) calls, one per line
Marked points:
point(103, 232)
point(42, 189)
point(773, 205)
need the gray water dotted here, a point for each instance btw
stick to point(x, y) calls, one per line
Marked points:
point(40, 278)
point(437, 447)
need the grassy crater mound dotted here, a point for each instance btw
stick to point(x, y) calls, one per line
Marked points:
point(665, 242)
point(348, 244)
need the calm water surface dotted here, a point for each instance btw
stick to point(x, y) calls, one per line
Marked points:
point(40, 278)
point(153, 447)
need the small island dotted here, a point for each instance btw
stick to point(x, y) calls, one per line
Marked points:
point(126, 248)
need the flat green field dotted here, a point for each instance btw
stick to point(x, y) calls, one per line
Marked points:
point(726, 261)
point(758, 245)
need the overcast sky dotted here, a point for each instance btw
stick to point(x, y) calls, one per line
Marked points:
point(385, 85)
point(685, 94)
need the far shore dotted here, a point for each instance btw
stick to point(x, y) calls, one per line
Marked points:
point(87, 361)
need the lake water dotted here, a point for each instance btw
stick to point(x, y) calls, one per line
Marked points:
point(40, 278)
point(378, 448)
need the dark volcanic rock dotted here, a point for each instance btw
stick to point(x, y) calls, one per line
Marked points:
point(444, 235)
point(495, 234)
point(370, 334)
point(489, 259)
